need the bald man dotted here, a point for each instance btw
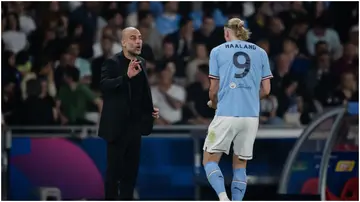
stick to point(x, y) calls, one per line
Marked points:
point(127, 114)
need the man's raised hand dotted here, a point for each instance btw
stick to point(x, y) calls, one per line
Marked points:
point(134, 68)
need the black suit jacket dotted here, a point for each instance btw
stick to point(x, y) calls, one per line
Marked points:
point(116, 92)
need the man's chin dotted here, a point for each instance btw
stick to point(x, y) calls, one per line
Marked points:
point(135, 53)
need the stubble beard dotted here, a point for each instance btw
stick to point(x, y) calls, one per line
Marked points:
point(134, 52)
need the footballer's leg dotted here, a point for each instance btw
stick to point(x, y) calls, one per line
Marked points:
point(217, 142)
point(243, 151)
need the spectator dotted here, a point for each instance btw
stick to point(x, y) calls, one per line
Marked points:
point(257, 23)
point(264, 44)
point(54, 6)
point(283, 85)
point(198, 96)
point(345, 92)
point(73, 99)
point(66, 60)
point(182, 39)
point(10, 102)
point(348, 62)
point(275, 35)
point(115, 46)
point(155, 7)
point(133, 18)
point(168, 22)
point(200, 59)
point(354, 37)
point(248, 9)
point(118, 33)
point(149, 34)
point(320, 48)
point(82, 64)
point(87, 17)
point(115, 19)
point(23, 62)
point(295, 12)
point(77, 35)
point(290, 48)
point(343, 16)
point(170, 56)
point(320, 32)
point(73, 5)
point(8, 68)
point(62, 37)
point(319, 9)
point(168, 97)
point(208, 33)
point(39, 107)
point(318, 81)
point(279, 7)
point(297, 32)
point(13, 38)
point(299, 63)
point(45, 42)
point(106, 50)
point(27, 24)
point(268, 109)
point(43, 69)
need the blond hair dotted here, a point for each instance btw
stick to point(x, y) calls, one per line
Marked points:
point(237, 26)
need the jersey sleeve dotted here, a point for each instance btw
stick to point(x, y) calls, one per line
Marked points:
point(213, 65)
point(266, 72)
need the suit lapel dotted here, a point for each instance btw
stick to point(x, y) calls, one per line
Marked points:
point(143, 68)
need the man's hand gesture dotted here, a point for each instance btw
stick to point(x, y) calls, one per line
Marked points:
point(155, 113)
point(134, 68)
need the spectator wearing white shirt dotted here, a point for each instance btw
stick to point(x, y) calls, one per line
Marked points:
point(320, 32)
point(107, 32)
point(168, 97)
point(27, 24)
point(13, 38)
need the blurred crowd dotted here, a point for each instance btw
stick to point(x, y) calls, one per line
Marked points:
point(52, 54)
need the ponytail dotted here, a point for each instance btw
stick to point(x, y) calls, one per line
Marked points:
point(237, 26)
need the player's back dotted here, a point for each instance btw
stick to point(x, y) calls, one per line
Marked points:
point(240, 70)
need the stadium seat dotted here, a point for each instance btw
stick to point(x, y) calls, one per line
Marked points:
point(351, 190)
point(311, 187)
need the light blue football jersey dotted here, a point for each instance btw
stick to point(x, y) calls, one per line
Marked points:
point(240, 66)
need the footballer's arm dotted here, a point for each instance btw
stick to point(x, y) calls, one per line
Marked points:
point(265, 88)
point(213, 92)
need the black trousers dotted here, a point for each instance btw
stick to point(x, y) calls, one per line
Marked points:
point(123, 158)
